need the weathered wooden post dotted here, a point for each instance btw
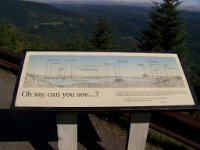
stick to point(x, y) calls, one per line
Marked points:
point(67, 131)
point(138, 132)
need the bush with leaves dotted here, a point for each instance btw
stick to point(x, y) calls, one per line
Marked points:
point(11, 38)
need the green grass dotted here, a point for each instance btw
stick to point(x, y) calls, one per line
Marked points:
point(164, 142)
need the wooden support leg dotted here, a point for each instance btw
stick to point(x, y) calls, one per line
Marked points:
point(67, 132)
point(138, 131)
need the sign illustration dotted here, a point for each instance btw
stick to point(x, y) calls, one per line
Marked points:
point(102, 72)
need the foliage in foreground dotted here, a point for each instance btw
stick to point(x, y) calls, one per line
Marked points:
point(164, 142)
point(11, 38)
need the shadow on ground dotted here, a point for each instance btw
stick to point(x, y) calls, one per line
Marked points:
point(40, 128)
point(87, 134)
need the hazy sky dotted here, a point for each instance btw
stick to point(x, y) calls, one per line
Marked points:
point(186, 2)
point(191, 4)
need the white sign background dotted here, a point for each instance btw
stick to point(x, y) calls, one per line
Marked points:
point(102, 79)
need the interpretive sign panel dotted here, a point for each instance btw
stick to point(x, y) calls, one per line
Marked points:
point(102, 80)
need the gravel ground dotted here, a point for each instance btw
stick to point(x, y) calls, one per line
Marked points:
point(111, 137)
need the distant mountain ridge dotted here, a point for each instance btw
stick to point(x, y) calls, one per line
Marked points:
point(58, 22)
point(94, 2)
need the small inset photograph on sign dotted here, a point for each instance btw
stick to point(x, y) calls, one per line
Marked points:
point(46, 71)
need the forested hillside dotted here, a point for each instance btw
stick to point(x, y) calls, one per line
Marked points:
point(45, 24)
point(42, 23)
point(130, 21)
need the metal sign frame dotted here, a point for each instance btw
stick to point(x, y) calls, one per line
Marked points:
point(85, 81)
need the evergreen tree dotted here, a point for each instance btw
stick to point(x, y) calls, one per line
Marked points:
point(165, 29)
point(102, 35)
point(77, 42)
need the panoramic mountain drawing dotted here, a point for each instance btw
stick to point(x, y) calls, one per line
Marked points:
point(102, 72)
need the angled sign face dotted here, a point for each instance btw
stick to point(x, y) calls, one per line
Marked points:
point(99, 81)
